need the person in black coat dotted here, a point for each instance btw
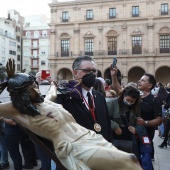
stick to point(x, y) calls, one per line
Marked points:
point(167, 123)
point(91, 116)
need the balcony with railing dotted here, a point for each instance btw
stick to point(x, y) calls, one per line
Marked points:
point(162, 13)
point(35, 37)
point(34, 47)
point(88, 18)
point(119, 52)
point(34, 66)
point(164, 50)
point(99, 53)
point(135, 15)
point(64, 19)
point(34, 57)
point(64, 54)
point(136, 51)
point(112, 16)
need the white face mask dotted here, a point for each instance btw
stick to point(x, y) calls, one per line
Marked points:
point(127, 103)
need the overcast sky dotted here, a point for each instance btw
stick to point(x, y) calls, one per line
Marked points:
point(25, 7)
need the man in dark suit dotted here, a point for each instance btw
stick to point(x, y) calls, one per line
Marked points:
point(89, 110)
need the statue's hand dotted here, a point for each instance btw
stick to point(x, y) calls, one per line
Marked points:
point(10, 67)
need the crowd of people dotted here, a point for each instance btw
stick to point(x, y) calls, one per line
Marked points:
point(100, 105)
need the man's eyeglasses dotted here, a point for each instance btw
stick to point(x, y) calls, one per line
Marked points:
point(87, 71)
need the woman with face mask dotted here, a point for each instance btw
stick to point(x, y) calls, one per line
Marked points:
point(123, 112)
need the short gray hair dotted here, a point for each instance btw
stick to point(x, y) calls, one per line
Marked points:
point(79, 59)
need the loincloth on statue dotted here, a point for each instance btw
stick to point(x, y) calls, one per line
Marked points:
point(75, 155)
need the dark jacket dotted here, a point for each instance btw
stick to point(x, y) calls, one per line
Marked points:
point(1, 127)
point(115, 114)
point(167, 105)
point(83, 116)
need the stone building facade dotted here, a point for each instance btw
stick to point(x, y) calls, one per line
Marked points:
point(137, 32)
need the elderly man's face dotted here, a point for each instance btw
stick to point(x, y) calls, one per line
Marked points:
point(86, 67)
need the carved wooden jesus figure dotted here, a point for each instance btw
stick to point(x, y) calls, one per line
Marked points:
point(76, 147)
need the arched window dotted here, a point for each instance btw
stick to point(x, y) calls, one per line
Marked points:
point(28, 34)
point(136, 41)
point(89, 43)
point(112, 42)
point(44, 33)
point(65, 45)
point(164, 40)
point(36, 34)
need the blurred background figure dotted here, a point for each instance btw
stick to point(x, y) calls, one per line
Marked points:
point(111, 94)
point(41, 81)
point(167, 87)
point(166, 121)
point(12, 134)
point(154, 91)
point(102, 80)
point(107, 84)
point(3, 149)
point(132, 84)
point(38, 78)
point(159, 84)
point(99, 86)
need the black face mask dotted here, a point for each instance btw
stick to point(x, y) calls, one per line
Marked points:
point(88, 80)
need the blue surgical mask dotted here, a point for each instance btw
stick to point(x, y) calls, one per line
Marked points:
point(127, 103)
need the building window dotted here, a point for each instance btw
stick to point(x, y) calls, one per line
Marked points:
point(43, 62)
point(137, 45)
point(65, 45)
point(164, 9)
point(42, 52)
point(18, 67)
point(164, 43)
point(35, 53)
point(18, 58)
point(135, 11)
point(112, 46)
point(112, 13)
point(34, 63)
point(36, 34)
point(18, 38)
point(89, 14)
point(65, 16)
point(6, 33)
point(28, 34)
point(35, 44)
point(12, 52)
point(18, 48)
point(17, 29)
point(89, 46)
point(44, 33)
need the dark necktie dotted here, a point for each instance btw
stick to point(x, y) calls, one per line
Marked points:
point(90, 100)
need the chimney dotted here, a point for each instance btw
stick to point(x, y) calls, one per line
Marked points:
point(9, 18)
